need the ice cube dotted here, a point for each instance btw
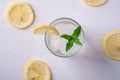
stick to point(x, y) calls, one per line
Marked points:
point(57, 43)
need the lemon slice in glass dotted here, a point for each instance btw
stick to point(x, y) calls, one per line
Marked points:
point(111, 45)
point(94, 2)
point(20, 15)
point(37, 70)
point(41, 29)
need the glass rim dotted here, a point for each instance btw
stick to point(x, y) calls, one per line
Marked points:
point(60, 55)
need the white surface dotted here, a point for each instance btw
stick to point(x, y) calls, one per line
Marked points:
point(17, 47)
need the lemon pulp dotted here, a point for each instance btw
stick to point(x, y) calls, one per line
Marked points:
point(111, 45)
point(41, 29)
point(20, 15)
point(37, 70)
point(94, 2)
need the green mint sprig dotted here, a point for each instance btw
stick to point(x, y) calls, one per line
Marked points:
point(72, 38)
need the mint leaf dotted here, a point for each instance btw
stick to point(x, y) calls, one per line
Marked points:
point(71, 39)
point(66, 36)
point(69, 46)
point(77, 41)
point(77, 32)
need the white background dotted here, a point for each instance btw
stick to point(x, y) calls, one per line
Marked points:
point(17, 47)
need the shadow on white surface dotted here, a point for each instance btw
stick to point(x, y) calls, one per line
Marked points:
point(91, 64)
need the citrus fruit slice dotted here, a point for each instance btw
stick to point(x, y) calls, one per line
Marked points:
point(94, 2)
point(111, 45)
point(41, 29)
point(37, 70)
point(20, 15)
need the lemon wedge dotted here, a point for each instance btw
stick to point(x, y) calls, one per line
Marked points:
point(94, 2)
point(111, 45)
point(41, 29)
point(37, 70)
point(20, 15)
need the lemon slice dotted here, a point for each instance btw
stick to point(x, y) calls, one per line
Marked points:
point(111, 45)
point(41, 29)
point(94, 2)
point(37, 70)
point(20, 15)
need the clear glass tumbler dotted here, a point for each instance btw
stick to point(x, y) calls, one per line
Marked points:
point(57, 44)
